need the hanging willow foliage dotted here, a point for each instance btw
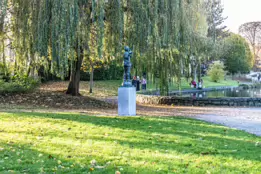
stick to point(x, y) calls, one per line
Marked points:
point(162, 33)
point(3, 8)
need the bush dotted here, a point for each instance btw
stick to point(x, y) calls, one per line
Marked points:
point(18, 84)
point(4, 73)
point(216, 71)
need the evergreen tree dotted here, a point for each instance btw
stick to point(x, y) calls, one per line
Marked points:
point(215, 19)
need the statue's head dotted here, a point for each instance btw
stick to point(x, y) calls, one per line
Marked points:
point(126, 48)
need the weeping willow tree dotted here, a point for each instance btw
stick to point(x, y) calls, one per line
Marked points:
point(3, 11)
point(165, 35)
point(58, 34)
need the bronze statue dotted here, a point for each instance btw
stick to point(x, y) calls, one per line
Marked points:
point(127, 67)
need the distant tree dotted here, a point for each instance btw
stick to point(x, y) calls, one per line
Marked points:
point(252, 32)
point(215, 19)
point(237, 55)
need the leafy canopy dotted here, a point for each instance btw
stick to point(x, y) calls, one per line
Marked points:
point(55, 33)
point(237, 56)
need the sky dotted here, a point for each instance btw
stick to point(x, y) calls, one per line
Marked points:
point(240, 12)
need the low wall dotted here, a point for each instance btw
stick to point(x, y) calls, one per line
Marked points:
point(182, 101)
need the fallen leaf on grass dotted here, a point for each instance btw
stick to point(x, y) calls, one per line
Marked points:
point(205, 153)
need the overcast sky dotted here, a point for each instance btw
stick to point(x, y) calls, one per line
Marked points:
point(241, 11)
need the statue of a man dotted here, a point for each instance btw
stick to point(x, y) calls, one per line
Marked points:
point(127, 66)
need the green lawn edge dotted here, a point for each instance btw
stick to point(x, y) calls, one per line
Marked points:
point(76, 143)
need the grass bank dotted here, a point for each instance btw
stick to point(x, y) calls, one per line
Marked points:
point(110, 87)
point(72, 143)
point(207, 83)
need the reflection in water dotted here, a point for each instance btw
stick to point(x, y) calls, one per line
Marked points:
point(255, 93)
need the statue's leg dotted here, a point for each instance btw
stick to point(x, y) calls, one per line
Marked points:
point(129, 74)
point(125, 73)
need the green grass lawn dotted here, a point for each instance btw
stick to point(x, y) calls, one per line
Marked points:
point(110, 87)
point(102, 88)
point(207, 83)
point(71, 143)
point(228, 82)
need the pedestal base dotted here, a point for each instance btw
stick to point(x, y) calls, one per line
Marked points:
point(127, 101)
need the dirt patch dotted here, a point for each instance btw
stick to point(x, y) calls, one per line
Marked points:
point(59, 100)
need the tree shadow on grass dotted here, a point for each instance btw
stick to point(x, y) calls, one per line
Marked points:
point(22, 158)
point(163, 125)
point(182, 135)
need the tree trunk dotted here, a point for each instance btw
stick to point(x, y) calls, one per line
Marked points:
point(15, 68)
point(74, 85)
point(91, 79)
point(29, 69)
point(195, 72)
point(199, 70)
point(4, 59)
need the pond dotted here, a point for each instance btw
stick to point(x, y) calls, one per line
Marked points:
point(233, 92)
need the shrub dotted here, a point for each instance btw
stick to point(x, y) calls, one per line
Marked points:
point(18, 84)
point(216, 71)
point(4, 73)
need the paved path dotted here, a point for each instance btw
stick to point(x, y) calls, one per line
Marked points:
point(245, 119)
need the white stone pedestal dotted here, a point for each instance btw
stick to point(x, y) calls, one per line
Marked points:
point(127, 101)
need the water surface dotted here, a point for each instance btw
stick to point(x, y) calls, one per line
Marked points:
point(255, 93)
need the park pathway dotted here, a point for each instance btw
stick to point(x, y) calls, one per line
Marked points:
point(247, 119)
